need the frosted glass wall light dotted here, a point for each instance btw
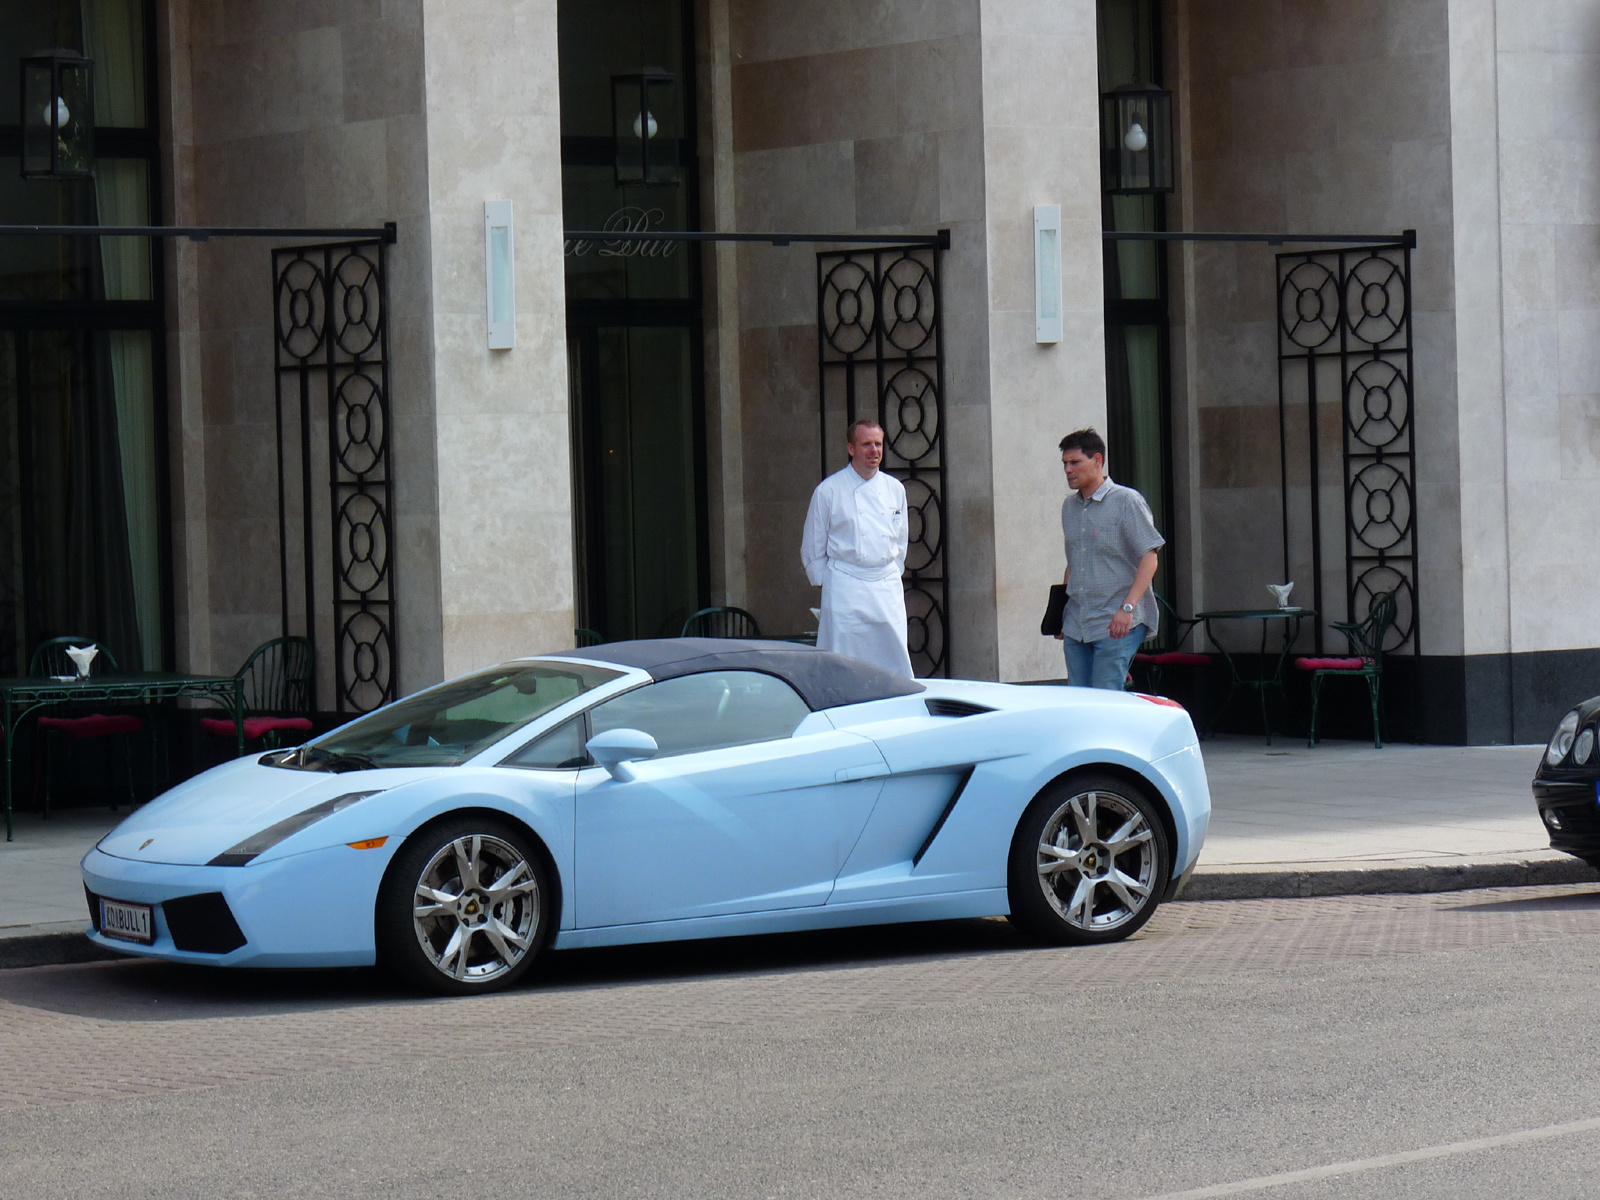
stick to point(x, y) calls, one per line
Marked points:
point(500, 274)
point(1047, 273)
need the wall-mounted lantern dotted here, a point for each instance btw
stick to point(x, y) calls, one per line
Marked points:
point(1136, 139)
point(57, 116)
point(644, 121)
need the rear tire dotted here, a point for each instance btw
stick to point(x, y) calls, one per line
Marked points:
point(464, 908)
point(1089, 862)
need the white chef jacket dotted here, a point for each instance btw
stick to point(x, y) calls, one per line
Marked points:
point(854, 547)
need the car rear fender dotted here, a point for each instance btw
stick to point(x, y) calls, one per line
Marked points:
point(1176, 782)
point(973, 842)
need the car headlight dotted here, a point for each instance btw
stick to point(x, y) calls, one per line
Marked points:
point(269, 837)
point(1562, 742)
point(1583, 747)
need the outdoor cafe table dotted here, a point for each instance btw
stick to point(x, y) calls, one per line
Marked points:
point(1260, 684)
point(22, 698)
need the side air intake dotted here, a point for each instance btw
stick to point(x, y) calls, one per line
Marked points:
point(202, 923)
point(940, 707)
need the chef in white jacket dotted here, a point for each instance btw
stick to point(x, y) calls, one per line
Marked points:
point(855, 548)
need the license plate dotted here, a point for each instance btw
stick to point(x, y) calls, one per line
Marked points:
point(130, 922)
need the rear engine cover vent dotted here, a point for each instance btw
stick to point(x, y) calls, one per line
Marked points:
point(939, 707)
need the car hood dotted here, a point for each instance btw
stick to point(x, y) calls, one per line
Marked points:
point(207, 815)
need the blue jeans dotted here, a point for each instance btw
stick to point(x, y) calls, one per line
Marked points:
point(1102, 664)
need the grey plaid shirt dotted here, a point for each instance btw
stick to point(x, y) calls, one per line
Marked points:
point(1106, 536)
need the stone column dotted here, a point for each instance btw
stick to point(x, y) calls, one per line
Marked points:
point(505, 507)
point(1479, 367)
point(1041, 146)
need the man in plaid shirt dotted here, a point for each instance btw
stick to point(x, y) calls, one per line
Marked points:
point(1111, 545)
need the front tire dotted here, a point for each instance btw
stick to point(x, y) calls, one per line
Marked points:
point(1089, 861)
point(464, 908)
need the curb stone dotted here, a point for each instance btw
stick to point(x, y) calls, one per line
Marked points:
point(1292, 883)
point(51, 949)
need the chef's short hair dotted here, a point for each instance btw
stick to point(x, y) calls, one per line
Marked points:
point(1086, 440)
point(861, 423)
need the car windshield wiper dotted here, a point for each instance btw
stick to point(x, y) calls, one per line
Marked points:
point(339, 761)
point(315, 758)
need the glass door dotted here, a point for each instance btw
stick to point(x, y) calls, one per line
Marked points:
point(1138, 392)
point(639, 548)
point(633, 316)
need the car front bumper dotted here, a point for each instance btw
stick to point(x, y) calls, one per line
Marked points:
point(306, 910)
point(1570, 810)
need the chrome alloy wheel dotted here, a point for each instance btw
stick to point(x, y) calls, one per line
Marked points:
point(1097, 861)
point(476, 908)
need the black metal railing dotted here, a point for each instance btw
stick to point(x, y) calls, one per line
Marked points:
point(332, 339)
point(1344, 320)
point(881, 354)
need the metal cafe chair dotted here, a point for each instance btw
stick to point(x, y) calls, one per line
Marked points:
point(721, 621)
point(1364, 662)
point(277, 681)
point(587, 637)
point(50, 658)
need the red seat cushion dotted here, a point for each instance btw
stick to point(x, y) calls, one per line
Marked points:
point(1332, 664)
point(98, 725)
point(255, 727)
point(1174, 658)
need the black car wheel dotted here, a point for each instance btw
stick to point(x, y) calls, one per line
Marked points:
point(464, 908)
point(1089, 861)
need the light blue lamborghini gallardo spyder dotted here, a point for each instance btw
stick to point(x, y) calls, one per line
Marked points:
point(656, 790)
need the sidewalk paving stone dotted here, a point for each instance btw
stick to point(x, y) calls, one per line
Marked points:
point(1346, 819)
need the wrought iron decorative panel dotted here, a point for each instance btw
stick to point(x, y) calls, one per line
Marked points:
point(881, 354)
point(1346, 314)
point(331, 304)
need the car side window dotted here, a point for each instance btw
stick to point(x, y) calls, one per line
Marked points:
point(562, 749)
point(705, 712)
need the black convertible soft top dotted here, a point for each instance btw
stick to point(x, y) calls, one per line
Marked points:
point(823, 679)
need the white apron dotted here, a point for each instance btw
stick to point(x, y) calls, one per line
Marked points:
point(864, 618)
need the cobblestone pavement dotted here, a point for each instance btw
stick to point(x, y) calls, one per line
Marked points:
point(103, 1031)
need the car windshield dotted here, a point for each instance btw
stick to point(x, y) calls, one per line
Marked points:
point(453, 722)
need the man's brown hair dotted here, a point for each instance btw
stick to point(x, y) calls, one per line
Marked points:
point(1085, 440)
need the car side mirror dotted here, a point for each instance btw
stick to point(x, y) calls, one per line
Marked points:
point(616, 748)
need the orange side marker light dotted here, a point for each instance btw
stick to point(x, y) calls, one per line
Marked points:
point(369, 844)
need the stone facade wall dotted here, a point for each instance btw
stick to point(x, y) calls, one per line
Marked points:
point(504, 459)
point(909, 118)
point(856, 118)
point(290, 115)
point(1531, 422)
point(1041, 130)
point(1305, 117)
point(350, 115)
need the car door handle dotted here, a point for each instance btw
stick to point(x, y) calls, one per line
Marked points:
point(869, 771)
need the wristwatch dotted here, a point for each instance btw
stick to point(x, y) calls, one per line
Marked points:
point(1127, 608)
